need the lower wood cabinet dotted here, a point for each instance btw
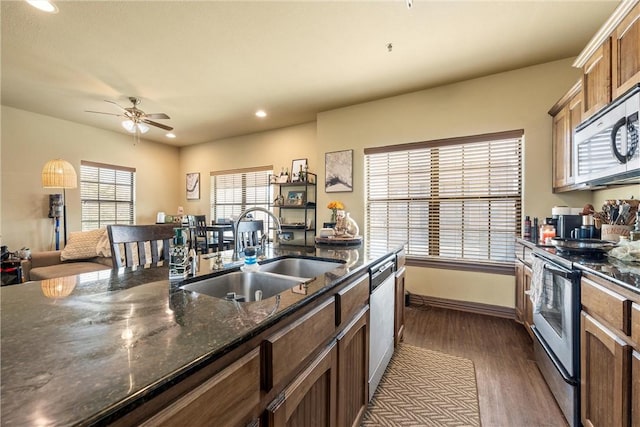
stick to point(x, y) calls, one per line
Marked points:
point(309, 400)
point(635, 389)
point(353, 369)
point(228, 398)
point(524, 307)
point(605, 374)
point(285, 350)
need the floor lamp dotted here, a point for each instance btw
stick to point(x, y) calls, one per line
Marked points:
point(59, 173)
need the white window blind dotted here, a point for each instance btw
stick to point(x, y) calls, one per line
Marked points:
point(107, 195)
point(456, 200)
point(235, 190)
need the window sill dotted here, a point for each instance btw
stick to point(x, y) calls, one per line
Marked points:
point(505, 269)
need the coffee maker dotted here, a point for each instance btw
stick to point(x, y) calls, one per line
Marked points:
point(566, 223)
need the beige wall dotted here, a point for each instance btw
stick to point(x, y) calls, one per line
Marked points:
point(275, 148)
point(29, 140)
point(513, 100)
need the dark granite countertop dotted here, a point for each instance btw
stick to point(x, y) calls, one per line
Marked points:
point(121, 337)
point(621, 273)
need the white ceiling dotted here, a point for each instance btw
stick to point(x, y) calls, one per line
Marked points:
point(210, 65)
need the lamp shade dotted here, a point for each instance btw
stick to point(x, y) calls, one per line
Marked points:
point(59, 173)
point(59, 287)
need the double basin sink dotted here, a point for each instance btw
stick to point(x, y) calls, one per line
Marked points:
point(272, 278)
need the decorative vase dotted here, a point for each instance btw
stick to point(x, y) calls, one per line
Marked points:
point(333, 215)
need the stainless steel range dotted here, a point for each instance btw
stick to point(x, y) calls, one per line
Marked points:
point(556, 319)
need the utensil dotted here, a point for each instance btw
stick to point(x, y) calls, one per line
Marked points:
point(623, 213)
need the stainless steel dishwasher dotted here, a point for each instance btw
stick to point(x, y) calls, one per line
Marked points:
point(382, 309)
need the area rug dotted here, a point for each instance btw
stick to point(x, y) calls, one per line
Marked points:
point(425, 388)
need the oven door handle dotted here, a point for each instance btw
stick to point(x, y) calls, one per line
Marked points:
point(567, 274)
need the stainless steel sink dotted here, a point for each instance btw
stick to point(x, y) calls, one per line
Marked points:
point(243, 286)
point(300, 267)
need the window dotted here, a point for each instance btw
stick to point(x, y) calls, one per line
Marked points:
point(107, 195)
point(233, 191)
point(455, 202)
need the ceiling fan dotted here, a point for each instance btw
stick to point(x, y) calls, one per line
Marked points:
point(136, 120)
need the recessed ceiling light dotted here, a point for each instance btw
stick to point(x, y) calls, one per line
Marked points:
point(261, 113)
point(44, 5)
point(170, 135)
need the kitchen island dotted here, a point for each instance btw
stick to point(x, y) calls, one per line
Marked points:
point(121, 339)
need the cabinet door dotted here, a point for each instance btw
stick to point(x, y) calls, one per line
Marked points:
point(596, 80)
point(399, 315)
point(605, 364)
point(229, 398)
point(353, 364)
point(286, 350)
point(560, 152)
point(520, 296)
point(635, 389)
point(309, 400)
point(625, 53)
point(528, 306)
point(575, 118)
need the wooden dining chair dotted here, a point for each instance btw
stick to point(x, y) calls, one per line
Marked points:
point(201, 237)
point(133, 239)
point(249, 233)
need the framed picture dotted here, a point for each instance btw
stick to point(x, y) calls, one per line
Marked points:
point(193, 186)
point(338, 176)
point(295, 169)
point(296, 198)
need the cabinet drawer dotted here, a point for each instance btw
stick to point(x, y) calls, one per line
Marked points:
point(284, 351)
point(635, 324)
point(350, 299)
point(607, 305)
point(230, 397)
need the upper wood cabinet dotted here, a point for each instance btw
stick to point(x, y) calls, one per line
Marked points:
point(625, 53)
point(610, 63)
point(567, 115)
point(596, 80)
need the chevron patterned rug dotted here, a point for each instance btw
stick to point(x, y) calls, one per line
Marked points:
point(425, 388)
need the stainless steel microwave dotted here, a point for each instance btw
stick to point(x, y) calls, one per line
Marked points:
point(606, 145)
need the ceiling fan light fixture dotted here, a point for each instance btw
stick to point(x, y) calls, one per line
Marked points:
point(44, 5)
point(132, 126)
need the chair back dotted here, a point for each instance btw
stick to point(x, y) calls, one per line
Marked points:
point(249, 233)
point(128, 235)
point(201, 223)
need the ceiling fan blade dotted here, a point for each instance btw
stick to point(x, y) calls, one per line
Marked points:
point(102, 112)
point(160, 125)
point(116, 104)
point(157, 116)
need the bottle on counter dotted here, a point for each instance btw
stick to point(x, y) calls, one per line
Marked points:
point(527, 228)
point(534, 230)
point(250, 260)
point(547, 232)
point(178, 256)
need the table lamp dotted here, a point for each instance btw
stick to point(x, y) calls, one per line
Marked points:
point(59, 173)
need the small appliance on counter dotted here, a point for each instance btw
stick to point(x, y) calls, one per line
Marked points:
point(566, 223)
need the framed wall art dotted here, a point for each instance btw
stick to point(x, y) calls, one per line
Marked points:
point(193, 186)
point(296, 198)
point(296, 166)
point(338, 176)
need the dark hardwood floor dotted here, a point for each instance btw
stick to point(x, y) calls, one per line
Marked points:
point(511, 390)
